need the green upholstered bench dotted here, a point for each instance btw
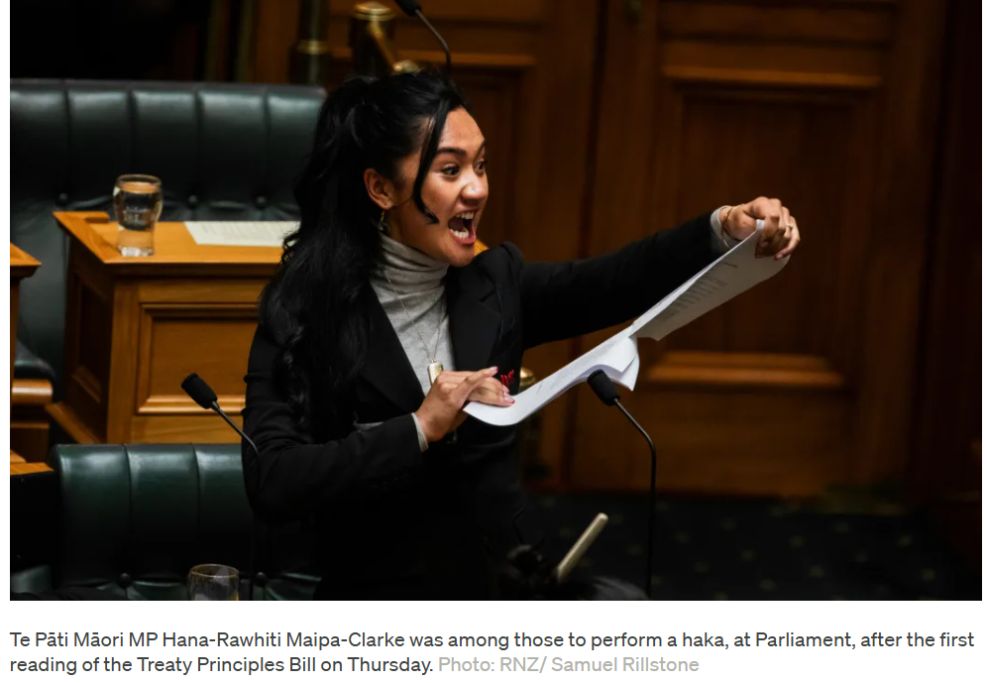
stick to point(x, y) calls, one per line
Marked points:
point(130, 520)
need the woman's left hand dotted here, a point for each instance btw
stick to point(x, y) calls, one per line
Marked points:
point(780, 235)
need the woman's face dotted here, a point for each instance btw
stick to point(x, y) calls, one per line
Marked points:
point(454, 190)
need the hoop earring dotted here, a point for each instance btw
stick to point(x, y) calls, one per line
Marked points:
point(382, 221)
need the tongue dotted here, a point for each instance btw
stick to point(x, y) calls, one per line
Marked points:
point(457, 223)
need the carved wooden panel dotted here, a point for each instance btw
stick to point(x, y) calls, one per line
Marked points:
point(798, 146)
point(169, 331)
point(726, 101)
point(165, 329)
point(88, 339)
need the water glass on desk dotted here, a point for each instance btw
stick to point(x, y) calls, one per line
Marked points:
point(213, 582)
point(137, 202)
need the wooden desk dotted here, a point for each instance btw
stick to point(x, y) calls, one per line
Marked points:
point(28, 397)
point(22, 265)
point(135, 327)
point(19, 466)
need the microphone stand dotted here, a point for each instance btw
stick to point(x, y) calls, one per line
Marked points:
point(607, 393)
point(413, 9)
point(438, 37)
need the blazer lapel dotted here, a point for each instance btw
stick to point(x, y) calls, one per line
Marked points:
point(386, 366)
point(474, 321)
point(474, 318)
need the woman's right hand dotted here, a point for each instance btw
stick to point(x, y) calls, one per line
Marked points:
point(442, 409)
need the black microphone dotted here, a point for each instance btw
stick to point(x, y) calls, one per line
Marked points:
point(607, 393)
point(414, 9)
point(602, 387)
point(202, 393)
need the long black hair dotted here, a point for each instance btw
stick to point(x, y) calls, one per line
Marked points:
point(316, 306)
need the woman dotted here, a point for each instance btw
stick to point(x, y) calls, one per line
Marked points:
point(380, 324)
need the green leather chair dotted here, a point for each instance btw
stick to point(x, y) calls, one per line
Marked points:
point(130, 520)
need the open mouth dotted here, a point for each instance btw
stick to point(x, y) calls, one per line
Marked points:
point(463, 227)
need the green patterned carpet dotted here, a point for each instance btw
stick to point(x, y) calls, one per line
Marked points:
point(722, 549)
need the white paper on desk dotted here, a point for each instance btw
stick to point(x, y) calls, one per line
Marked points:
point(733, 273)
point(240, 233)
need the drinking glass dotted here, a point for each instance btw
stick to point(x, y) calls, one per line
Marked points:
point(213, 582)
point(137, 202)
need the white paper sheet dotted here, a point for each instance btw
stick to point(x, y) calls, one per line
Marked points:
point(616, 356)
point(733, 273)
point(240, 233)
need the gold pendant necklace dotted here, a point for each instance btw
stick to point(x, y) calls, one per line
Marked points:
point(434, 370)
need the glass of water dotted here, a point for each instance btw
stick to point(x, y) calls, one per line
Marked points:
point(137, 202)
point(213, 582)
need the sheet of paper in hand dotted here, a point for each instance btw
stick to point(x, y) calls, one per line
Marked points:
point(733, 273)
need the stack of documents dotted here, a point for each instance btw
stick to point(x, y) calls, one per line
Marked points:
point(733, 273)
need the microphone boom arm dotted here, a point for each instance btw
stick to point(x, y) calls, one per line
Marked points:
point(231, 423)
point(607, 393)
point(438, 37)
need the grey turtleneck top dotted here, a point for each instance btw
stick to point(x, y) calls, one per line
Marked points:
point(411, 288)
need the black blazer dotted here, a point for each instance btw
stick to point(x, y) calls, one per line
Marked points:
point(398, 523)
